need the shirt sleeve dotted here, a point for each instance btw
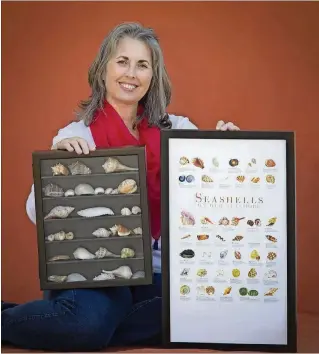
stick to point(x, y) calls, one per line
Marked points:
point(180, 122)
point(30, 206)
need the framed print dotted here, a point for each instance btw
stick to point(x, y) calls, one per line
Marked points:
point(228, 240)
point(92, 218)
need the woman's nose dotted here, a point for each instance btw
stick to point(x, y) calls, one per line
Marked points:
point(131, 71)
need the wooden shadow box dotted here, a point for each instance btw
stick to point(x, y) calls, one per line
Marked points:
point(92, 218)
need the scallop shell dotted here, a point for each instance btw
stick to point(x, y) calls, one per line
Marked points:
point(83, 253)
point(104, 276)
point(126, 211)
point(108, 190)
point(138, 231)
point(59, 212)
point(127, 253)
point(138, 274)
point(78, 168)
point(95, 211)
point(84, 189)
point(99, 190)
point(69, 193)
point(53, 190)
point(136, 210)
point(59, 170)
point(103, 252)
point(75, 277)
point(69, 236)
point(101, 232)
point(61, 257)
point(57, 278)
point(113, 165)
point(128, 186)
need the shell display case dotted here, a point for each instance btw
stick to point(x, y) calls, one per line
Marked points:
point(92, 218)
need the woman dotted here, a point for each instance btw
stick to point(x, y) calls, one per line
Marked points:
point(127, 106)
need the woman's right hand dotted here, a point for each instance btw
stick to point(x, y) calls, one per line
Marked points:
point(79, 145)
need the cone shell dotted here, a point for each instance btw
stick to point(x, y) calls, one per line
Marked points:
point(128, 186)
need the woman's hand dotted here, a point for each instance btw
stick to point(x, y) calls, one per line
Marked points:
point(221, 125)
point(76, 144)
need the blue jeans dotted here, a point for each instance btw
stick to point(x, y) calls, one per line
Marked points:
point(86, 319)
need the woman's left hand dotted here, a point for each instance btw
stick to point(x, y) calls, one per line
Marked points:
point(221, 125)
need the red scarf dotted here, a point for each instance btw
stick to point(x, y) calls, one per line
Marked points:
point(109, 131)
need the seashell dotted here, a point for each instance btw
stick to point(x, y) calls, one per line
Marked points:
point(53, 190)
point(103, 252)
point(223, 254)
point(188, 253)
point(127, 253)
point(136, 210)
point(190, 179)
point(120, 272)
point(69, 236)
point(114, 165)
point(59, 236)
point(215, 162)
point(83, 253)
point(101, 232)
point(108, 190)
point(233, 162)
point(138, 231)
point(84, 189)
point(99, 190)
point(114, 229)
point(61, 257)
point(197, 162)
point(126, 211)
point(184, 160)
point(69, 193)
point(57, 278)
point(187, 218)
point(59, 212)
point(95, 211)
point(75, 277)
point(115, 191)
point(104, 276)
point(270, 163)
point(78, 168)
point(207, 179)
point(59, 170)
point(138, 274)
point(123, 231)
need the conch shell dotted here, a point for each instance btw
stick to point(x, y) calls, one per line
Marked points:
point(83, 253)
point(59, 170)
point(124, 272)
point(114, 165)
point(101, 232)
point(59, 212)
point(78, 168)
point(95, 211)
point(103, 252)
point(128, 186)
point(84, 189)
point(53, 190)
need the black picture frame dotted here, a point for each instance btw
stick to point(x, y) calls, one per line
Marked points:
point(59, 156)
point(289, 137)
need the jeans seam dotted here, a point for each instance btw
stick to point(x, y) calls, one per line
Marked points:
point(34, 317)
point(140, 305)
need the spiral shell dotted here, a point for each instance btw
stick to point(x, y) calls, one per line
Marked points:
point(83, 253)
point(114, 165)
point(59, 212)
point(79, 168)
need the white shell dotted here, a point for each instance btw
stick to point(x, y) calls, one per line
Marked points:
point(136, 210)
point(104, 276)
point(69, 193)
point(103, 252)
point(101, 232)
point(84, 189)
point(108, 190)
point(138, 231)
point(126, 211)
point(128, 186)
point(59, 212)
point(58, 236)
point(83, 253)
point(123, 272)
point(113, 165)
point(99, 190)
point(95, 211)
point(75, 277)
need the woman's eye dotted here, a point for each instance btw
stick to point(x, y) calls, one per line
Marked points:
point(121, 62)
point(144, 66)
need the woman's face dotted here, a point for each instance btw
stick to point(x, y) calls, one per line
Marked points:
point(129, 72)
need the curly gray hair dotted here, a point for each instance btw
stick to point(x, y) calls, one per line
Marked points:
point(157, 97)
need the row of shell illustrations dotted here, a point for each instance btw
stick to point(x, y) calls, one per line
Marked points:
point(122, 272)
point(128, 186)
point(101, 232)
point(111, 165)
point(82, 253)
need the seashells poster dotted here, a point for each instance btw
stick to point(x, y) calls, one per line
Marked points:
point(227, 239)
point(92, 228)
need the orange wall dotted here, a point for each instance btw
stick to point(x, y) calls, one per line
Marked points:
point(253, 63)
